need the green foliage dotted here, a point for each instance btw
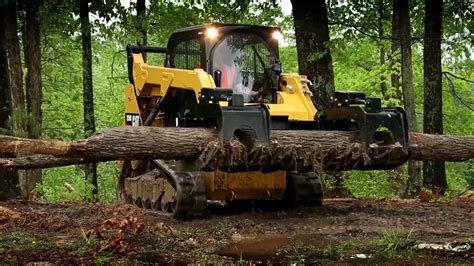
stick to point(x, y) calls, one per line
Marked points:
point(370, 184)
point(57, 183)
point(289, 59)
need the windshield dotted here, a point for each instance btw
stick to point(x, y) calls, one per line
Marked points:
point(242, 59)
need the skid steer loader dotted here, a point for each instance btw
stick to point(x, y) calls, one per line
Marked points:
point(228, 77)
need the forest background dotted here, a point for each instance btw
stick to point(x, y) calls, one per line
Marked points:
point(364, 53)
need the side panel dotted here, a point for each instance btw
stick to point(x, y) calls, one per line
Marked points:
point(156, 80)
point(293, 99)
point(245, 185)
point(132, 112)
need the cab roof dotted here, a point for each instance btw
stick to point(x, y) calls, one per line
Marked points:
point(227, 27)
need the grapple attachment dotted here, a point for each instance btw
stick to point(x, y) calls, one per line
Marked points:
point(376, 124)
point(238, 118)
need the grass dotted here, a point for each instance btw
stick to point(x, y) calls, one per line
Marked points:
point(339, 251)
point(298, 252)
point(19, 241)
point(8, 260)
point(393, 245)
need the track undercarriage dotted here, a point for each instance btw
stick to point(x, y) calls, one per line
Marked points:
point(158, 186)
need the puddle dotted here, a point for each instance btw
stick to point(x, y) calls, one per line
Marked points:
point(265, 249)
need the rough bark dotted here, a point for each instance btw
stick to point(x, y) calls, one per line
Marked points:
point(396, 45)
point(380, 31)
point(414, 170)
point(328, 150)
point(312, 44)
point(34, 92)
point(8, 177)
point(434, 174)
point(428, 147)
point(141, 24)
point(19, 116)
point(40, 161)
point(5, 92)
point(33, 64)
point(88, 92)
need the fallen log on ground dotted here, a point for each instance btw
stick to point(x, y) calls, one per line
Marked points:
point(40, 161)
point(290, 150)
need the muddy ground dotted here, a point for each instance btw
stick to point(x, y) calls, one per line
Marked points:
point(345, 231)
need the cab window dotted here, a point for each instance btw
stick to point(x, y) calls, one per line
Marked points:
point(187, 55)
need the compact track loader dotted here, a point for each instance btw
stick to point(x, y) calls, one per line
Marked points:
point(228, 77)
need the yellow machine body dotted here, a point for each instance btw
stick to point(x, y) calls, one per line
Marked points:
point(229, 77)
point(293, 100)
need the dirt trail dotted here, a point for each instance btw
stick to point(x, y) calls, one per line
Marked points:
point(229, 234)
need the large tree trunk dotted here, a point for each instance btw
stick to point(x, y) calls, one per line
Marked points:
point(396, 45)
point(312, 44)
point(141, 24)
point(88, 92)
point(8, 177)
point(414, 171)
point(290, 149)
point(34, 93)
point(380, 31)
point(19, 115)
point(5, 91)
point(434, 174)
point(33, 64)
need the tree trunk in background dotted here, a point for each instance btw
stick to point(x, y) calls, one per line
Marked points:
point(8, 178)
point(414, 171)
point(434, 174)
point(88, 93)
point(34, 93)
point(396, 45)
point(380, 10)
point(141, 27)
point(312, 43)
point(19, 115)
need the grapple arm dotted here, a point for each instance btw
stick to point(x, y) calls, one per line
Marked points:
point(375, 123)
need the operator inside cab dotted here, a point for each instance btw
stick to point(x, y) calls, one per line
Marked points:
point(244, 61)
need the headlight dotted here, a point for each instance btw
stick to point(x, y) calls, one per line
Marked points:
point(277, 35)
point(212, 33)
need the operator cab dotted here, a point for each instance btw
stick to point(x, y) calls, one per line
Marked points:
point(243, 58)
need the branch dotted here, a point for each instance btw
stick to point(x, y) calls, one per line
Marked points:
point(454, 91)
point(458, 77)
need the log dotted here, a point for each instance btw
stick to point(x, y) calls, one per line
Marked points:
point(40, 161)
point(427, 147)
point(290, 150)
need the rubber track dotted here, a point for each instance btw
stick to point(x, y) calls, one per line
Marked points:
point(190, 197)
point(307, 189)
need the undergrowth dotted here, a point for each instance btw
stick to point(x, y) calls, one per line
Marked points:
point(68, 184)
